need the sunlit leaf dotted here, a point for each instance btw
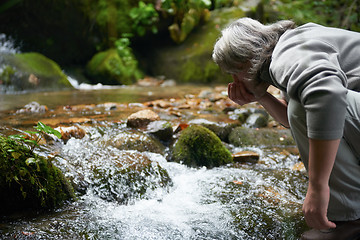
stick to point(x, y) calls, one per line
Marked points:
point(30, 161)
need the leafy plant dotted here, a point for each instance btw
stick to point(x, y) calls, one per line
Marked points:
point(34, 137)
point(24, 172)
point(335, 13)
point(144, 17)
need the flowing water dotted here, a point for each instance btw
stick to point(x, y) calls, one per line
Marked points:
point(243, 201)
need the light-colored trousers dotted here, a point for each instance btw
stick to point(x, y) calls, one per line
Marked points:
point(344, 180)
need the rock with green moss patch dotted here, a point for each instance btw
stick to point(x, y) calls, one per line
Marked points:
point(198, 146)
point(132, 139)
point(241, 136)
point(108, 67)
point(29, 181)
point(128, 176)
point(31, 71)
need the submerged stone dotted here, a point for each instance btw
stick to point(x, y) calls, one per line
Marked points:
point(198, 146)
point(29, 181)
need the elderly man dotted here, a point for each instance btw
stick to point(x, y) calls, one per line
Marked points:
point(318, 70)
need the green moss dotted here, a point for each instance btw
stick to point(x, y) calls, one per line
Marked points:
point(42, 66)
point(198, 146)
point(6, 74)
point(29, 181)
point(242, 136)
point(109, 68)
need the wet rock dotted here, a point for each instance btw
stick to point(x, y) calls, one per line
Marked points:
point(198, 146)
point(149, 82)
point(71, 132)
point(133, 140)
point(29, 181)
point(142, 118)
point(161, 130)
point(240, 114)
point(222, 130)
point(33, 107)
point(128, 176)
point(241, 136)
point(257, 120)
point(246, 156)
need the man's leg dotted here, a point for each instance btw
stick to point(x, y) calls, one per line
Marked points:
point(344, 181)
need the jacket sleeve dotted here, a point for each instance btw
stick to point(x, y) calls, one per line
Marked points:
point(310, 72)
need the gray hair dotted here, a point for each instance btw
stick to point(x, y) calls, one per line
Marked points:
point(248, 40)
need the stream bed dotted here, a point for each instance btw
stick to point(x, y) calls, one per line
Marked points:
point(260, 200)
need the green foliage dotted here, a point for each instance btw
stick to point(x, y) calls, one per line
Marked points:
point(343, 13)
point(144, 16)
point(34, 137)
point(23, 173)
point(114, 66)
point(187, 15)
point(198, 146)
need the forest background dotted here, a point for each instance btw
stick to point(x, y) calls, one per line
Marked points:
point(120, 41)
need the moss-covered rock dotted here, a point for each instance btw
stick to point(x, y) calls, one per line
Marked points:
point(241, 136)
point(108, 67)
point(31, 71)
point(133, 139)
point(198, 146)
point(29, 181)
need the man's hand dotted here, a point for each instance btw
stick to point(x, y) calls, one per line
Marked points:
point(315, 207)
point(238, 92)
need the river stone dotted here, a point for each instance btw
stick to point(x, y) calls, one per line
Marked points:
point(222, 130)
point(162, 130)
point(198, 146)
point(133, 139)
point(127, 176)
point(241, 136)
point(142, 118)
point(246, 156)
point(257, 120)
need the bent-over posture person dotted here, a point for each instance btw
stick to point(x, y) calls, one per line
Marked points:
point(318, 70)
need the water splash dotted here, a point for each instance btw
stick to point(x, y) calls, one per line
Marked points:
point(7, 45)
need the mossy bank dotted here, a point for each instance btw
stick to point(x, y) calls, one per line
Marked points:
point(29, 181)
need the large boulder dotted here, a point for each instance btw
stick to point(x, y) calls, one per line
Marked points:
point(191, 60)
point(114, 175)
point(198, 146)
point(29, 181)
point(31, 71)
point(127, 176)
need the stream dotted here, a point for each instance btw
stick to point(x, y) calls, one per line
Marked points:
point(239, 201)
